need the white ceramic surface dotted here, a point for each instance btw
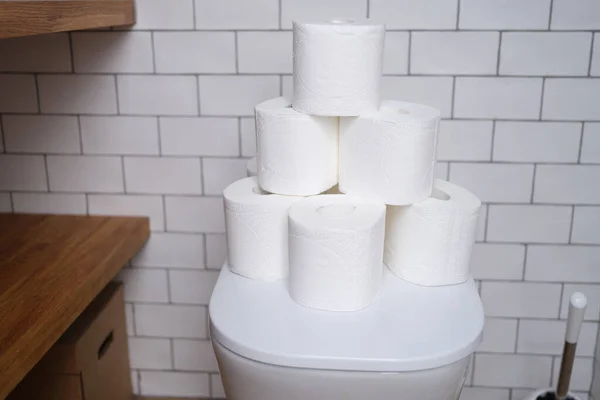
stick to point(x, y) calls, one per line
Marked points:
point(400, 331)
point(244, 379)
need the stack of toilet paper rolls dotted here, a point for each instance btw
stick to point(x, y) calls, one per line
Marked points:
point(343, 182)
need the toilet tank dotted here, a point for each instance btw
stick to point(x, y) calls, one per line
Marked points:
point(413, 341)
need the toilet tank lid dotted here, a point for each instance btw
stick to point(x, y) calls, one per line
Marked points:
point(407, 328)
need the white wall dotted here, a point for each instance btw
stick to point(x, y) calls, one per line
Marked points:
point(158, 120)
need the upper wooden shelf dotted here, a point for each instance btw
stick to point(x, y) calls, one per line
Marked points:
point(51, 268)
point(33, 17)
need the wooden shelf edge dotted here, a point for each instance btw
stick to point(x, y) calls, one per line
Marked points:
point(34, 17)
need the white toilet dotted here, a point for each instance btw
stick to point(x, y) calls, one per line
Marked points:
point(412, 343)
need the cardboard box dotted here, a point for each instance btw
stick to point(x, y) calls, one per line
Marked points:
point(90, 361)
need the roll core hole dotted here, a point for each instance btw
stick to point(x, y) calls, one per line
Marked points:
point(288, 106)
point(402, 111)
point(438, 194)
point(336, 210)
point(342, 21)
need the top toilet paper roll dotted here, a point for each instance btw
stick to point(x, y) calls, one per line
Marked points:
point(336, 252)
point(297, 153)
point(337, 66)
point(389, 153)
point(257, 228)
point(429, 242)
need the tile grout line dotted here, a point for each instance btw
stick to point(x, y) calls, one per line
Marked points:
point(525, 255)
point(581, 137)
point(116, 80)
point(133, 324)
point(540, 118)
point(195, 22)
point(205, 254)
point(169, 295)
point(594, 364)
point(487, 219)
point(239, 131)
point(409, 53)
point(2, 133)
point(517, 336)
point(550, 12)
point(237, 50)
point(153, 52)
point(280, 85)
point(71, 52)
point(473, 368)
point(47, 174)
point(280, 11)
point(207, 322)
point(458, 6)
point(139, 381)
point(80, 134)
point(499, 53)
point(123, 174)
point(202, 189)
point(159, 133)
point(592, 54)
point(37, 94)
point(492, 147)
point(198, 94)
point(163, 199)
point(562, 295)
point(172, 349)
point(532, 199)
point(12, 201)
point(452, 98)
point(571, 224)
point(210, 386)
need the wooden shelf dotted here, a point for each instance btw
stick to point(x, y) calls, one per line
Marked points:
point(51, 268)
point(33, 17)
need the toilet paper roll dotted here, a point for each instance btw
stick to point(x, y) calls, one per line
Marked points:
point(257, 226)
point(337, 66)
point(389, 153)
point(251, 167)
point(297, 153)
point(429, 242)
point(336, 252)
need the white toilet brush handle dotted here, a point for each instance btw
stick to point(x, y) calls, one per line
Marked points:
point(574, 321)
point(577, 307)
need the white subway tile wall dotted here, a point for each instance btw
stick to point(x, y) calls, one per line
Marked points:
point(545, 53)
point(77, 94)
point(156, 119)
point(47, 53)
point(41, 134)
point(112, 52)
point(458, 53)
point(194, 52)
